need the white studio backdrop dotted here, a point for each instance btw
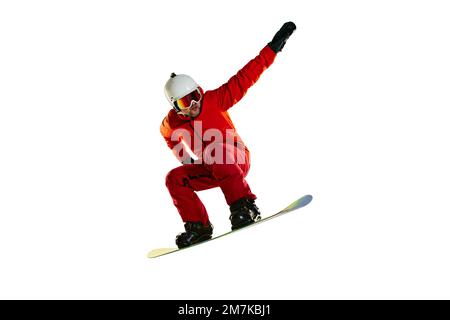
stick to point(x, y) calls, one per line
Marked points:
point(354, 111)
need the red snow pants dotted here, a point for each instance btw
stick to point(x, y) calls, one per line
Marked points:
point(183, 182)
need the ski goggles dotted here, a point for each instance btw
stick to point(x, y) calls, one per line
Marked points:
point(186, 101)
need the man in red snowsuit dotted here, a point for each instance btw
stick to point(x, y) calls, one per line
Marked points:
point(199, 122)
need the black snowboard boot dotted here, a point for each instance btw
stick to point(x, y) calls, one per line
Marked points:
point(243, 213)
point(195, 232)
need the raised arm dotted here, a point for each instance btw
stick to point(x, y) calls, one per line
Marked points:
point(234, 89)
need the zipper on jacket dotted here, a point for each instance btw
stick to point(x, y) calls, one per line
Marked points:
point(195, 132)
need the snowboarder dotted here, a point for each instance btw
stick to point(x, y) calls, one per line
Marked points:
point(200, 124)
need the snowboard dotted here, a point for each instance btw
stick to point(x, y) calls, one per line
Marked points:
point(297, 204)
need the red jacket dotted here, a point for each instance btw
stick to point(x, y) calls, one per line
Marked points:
point(214, 106)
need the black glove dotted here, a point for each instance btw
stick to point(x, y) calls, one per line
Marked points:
point(188, 160)
point(280, 38)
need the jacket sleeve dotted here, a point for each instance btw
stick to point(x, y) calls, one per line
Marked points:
point(174, 141)
point(166, 132)
point(232, 91)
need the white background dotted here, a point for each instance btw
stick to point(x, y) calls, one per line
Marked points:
point(354, 111)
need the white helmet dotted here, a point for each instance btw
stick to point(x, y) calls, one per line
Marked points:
point(179, 86)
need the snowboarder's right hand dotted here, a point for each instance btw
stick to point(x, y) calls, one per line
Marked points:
point(280, 38)
point(188, 160)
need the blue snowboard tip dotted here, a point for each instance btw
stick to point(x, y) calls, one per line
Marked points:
point(303, 201)
point(306, 200)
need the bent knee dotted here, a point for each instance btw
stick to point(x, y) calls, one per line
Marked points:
point(175, 176)
point(171, 177)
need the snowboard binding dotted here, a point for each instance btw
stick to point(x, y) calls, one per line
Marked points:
point(243, 213)
point(195, 232)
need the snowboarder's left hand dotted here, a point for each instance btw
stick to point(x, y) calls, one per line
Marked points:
point(280, 38)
